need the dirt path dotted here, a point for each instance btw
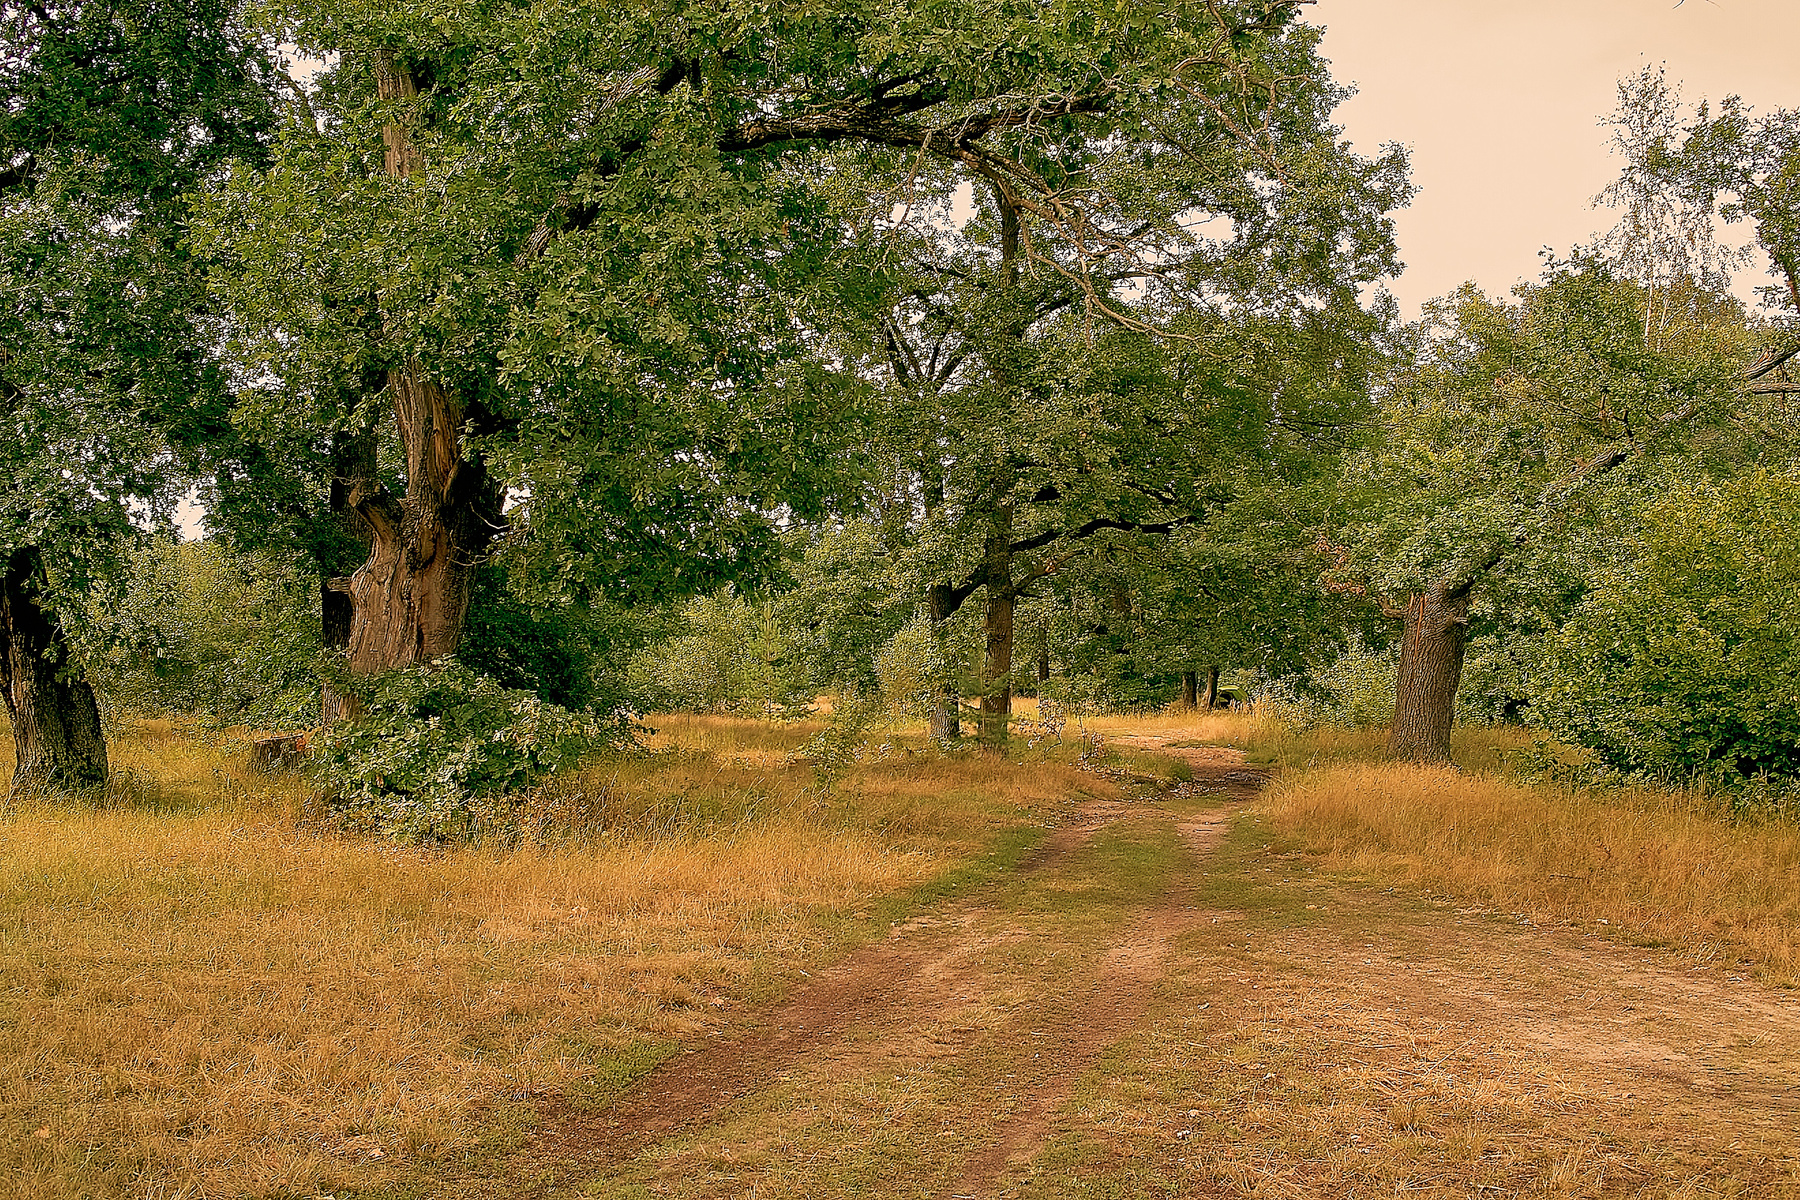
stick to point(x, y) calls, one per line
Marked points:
point(1151, 1006)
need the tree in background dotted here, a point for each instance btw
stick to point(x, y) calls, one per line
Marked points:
point(111, 114)
point(1684, 656)
point(197, 629)
point(1495, 438)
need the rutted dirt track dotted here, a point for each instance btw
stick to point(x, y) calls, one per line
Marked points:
point(964, 1046)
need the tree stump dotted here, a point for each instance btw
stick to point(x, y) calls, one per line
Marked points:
point(278, 751)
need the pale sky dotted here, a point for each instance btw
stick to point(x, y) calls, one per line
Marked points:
point(1500, 103)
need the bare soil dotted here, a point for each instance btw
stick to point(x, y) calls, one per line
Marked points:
point(1224, 1026)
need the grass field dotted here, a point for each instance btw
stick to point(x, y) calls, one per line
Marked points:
point(203, 992)
point(203, 995)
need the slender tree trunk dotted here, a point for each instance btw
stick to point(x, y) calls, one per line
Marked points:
point(1007, 362)
point(1212, 688)
point(1431, 662)
point(946, 706)
point(996, 672)
point(1043, 661)
point(411, 598)
point(1190, 690)
point(57, 739)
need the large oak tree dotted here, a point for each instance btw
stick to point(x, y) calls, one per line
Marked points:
point(583, 247)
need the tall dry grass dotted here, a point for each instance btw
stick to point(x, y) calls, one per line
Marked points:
point(204, 996)
point(1660, 865)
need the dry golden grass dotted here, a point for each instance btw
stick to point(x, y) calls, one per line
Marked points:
point(1655, 864)
point(1224, 727)
point(204, 997)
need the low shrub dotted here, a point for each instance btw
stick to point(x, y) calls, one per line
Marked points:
point(437, 749)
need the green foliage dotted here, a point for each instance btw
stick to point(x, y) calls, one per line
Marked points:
point(849, 597)
point(551, 651)
point(1355, 690)
point(837, 747)
point(728, 654)
point(199, 630)
point(908, 667)
point(437, 748)
point(1685, 657)
point(110, 115)
point(1483, 470)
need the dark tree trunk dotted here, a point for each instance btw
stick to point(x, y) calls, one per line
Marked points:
point(1043, 660)
point(1211, 698)
point(996, 671)
point(946, 706)
point(1006, 359)
point(1190, 690)
point(57, 739)
point(1431, 662)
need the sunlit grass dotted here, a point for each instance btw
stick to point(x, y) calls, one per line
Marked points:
point(1661, 865)
point(206, 994)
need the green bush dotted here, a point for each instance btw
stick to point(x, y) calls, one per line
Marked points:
point(728, 655)
point(1685, 659)
point(909, 668)
point(436, 749)
point(1355, 690)
point(200, 630)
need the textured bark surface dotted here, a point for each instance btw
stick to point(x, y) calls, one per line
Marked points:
point(55, 719)
point(996, 670)
point(1431, 662)
point(1190, 689)
point(1210, 697)
point(412, 595)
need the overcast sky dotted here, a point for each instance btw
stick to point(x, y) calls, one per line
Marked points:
point(1500, 103)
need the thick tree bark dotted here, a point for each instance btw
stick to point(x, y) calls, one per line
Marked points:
point(1431, 662)
point(57, 739)
point(946, 706)
point(412, 596)
point(996, 671)
point(1190, 690)
point(1211, 697)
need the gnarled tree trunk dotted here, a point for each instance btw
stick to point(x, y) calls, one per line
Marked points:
point(411, 597)
point(1209, 699)
point(55, 719)
point(1431, 660)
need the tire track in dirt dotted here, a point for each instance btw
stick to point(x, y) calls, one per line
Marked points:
point(896, 985)
point(1127, 980)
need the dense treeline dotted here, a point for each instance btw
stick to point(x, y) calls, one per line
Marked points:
point(539, 365)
